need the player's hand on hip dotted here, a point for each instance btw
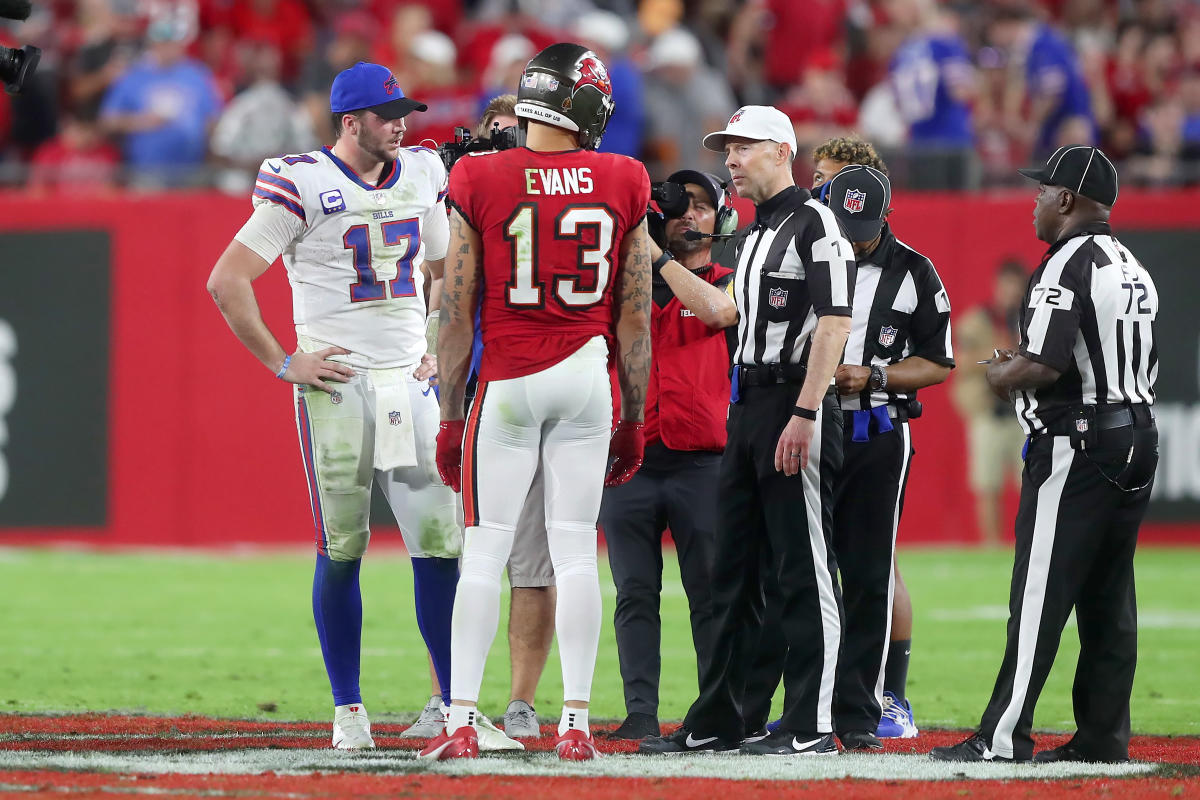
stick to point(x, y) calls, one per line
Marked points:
point(625, 452)
point(791, 454)
point(313, 369)
point(450, 451)
point(851, 378)
point(427, 370)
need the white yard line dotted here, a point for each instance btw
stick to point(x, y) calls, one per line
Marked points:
point(380, 762)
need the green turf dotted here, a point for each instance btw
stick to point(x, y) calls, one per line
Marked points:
point(196, 632)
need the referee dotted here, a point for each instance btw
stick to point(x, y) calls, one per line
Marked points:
point(792, 290)
point(1082, 383)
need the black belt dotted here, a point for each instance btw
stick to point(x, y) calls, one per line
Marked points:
point(1102, 418)
point(771, 374)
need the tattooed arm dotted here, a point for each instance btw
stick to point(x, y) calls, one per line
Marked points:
point(460, 297)
point(632, 322)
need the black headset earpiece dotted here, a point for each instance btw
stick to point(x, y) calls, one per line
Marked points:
point(727, 216)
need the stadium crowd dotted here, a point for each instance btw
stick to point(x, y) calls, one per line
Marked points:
point(153, 94)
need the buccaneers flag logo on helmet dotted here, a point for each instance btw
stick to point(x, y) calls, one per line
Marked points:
point(592, 73)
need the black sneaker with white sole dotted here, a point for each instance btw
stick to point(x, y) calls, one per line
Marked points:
point(786, 743)
point(860, 740)
point(973, 748)
point(682, 742)
point(757, 736)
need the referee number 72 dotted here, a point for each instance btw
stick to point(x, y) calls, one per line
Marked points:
point(1142, 293)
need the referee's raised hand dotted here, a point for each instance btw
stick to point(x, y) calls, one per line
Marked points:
point(791, 454)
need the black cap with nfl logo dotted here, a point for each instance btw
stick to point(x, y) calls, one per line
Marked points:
point(859, 197)
point(1083, 169)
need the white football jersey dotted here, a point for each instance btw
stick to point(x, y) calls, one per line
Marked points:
point(355, 262)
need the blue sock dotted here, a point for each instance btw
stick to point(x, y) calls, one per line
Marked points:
point(337, 610)
point(434, 581)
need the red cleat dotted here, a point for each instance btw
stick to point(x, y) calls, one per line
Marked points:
point(575, 745)
point(463, 743)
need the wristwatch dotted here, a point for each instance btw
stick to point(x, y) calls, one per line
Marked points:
point(662, 260)
point(878, 378)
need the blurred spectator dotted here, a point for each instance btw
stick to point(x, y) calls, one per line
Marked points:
point(260, 122)
point(771, 42)
point(509, 55)
point(111, 40)
point(934, 83)
point(406, 23)
point(687, 98)
point(548, 13)
point(994, 439)
point(285, 23)
point(444, 15)
point(434, 81)
point(33, 114)
point(608, 35)
point(163, 108)
point(821, 107)
point(79, 161)
point(351, 43)
point(1055, 108)
point(1164, 156)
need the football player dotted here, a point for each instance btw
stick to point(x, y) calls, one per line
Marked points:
point(549, 242)
point(354, 224)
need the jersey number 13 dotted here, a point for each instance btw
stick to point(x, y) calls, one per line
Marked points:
point(525, 288)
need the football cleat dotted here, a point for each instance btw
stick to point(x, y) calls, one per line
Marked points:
point(1068, 752)
point(786, 743)
point(352, 728)
point(682, 742)
point(575, 745)
point(431, 722)
point(520, 721)
point(973, 748)
point(897, 719)
point(463, 743)
point(635, 727)
point(492, 738)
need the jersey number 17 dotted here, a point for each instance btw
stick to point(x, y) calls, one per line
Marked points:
point(406, 232)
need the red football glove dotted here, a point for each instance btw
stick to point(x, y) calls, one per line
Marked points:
point(449, 452)
point(625, 451)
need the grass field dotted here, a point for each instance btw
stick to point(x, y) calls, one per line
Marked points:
point(231, 635)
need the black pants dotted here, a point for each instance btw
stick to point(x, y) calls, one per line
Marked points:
point(868, 497)
point(1075, 537)
point(760, 508)
point(675, 490)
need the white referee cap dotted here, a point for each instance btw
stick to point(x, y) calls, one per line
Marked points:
point(764, 123)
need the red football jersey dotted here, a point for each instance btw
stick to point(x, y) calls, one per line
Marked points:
point(551, 226)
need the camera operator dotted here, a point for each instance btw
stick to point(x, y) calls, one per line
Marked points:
point(676, 487)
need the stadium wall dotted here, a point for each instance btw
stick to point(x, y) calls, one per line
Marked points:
point(129, 414)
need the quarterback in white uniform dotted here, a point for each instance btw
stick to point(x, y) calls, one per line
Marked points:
point(354, 224)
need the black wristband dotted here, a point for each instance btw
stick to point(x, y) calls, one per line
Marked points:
point(804, 413)
point(661, 261)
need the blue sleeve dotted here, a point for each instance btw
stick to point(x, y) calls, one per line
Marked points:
point(120, 98)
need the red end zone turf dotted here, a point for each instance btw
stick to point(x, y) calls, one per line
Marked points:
point(103, 733)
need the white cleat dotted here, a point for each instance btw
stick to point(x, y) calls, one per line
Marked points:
point(492, 738)
point(352, 728)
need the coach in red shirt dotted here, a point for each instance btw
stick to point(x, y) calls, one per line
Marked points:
point(676, 488)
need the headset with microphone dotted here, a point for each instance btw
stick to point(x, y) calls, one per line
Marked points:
point(725, 226)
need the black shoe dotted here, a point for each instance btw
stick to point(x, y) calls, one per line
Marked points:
point(1067, 752)
point(786, 743)
point(684, 741)
point(636, 726)
point(973, 748)
point(757, 736)
point(860, 740)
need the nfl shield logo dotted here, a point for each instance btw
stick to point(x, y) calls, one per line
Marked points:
point(855, 198)
point(553, 85)
point(1081, 425)
point(887, 336)
point(394, 417)
point(777, 298)
point(335, 398)
point(380, 198)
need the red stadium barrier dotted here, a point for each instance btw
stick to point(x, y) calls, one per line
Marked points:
point(201, 445)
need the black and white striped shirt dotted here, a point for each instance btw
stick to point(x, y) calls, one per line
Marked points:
point(901, 309)
point(1088, 313)
point(793, 266)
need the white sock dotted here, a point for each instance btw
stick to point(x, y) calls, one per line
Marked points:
point(579, 609)
point(576, 718)
point(476, 608)
point(461, 717)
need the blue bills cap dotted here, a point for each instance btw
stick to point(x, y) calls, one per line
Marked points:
point(372, 87)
